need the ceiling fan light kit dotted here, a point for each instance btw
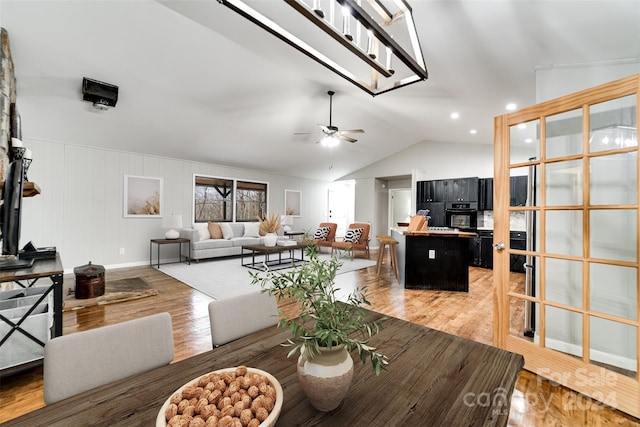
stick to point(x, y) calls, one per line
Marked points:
point(384, 29)
point(331, 135)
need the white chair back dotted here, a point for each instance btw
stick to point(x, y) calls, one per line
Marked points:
point(235, 317)
point(84, 360)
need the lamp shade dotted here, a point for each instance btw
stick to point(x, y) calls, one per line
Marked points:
point(172, 222)
point(286, 220)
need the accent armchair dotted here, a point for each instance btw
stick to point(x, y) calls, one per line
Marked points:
point(355, 239)
point(330, 237)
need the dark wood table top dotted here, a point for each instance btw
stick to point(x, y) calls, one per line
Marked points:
point(260, 248)
point(40, 268)
point(433, 379)
point(167, 241)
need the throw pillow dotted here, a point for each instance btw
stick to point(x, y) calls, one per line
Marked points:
point(203, 230)
point(353, 235)
point(251, 229)
point(227, 231)
point(321, 233)
point(215, 231)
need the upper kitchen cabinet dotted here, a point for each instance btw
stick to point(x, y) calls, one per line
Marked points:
point(518, 191)
point(431, 191)
point(462, 190)
point(485, 194)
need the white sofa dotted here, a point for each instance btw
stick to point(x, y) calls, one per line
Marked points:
point(203, 246)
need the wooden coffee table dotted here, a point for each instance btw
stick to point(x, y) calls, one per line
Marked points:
point(269, 262)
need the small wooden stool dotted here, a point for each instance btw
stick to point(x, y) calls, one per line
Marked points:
point(386, 240)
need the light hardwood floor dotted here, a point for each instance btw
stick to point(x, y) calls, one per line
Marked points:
point(535, 402)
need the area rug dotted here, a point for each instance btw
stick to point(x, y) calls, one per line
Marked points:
point(114, 291)
point(225, 278)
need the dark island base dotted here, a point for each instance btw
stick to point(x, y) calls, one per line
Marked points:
point(446, 270)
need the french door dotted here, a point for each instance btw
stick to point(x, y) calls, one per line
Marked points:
point(574, 313)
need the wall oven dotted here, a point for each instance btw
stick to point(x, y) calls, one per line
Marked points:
point(463, 216)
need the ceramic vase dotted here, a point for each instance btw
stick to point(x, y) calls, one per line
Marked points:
point(326, 377)
point(270, 239)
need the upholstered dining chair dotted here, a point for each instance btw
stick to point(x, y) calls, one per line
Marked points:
point(323, 240)
point(84, 360)
point(355, 239)
point(241, 315)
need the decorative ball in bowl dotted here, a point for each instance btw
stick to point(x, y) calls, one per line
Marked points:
point(239, 396)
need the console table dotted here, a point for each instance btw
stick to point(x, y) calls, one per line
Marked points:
point(161, 242)
point(26, 278)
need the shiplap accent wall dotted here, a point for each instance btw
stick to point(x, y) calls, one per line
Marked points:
point(80, 209)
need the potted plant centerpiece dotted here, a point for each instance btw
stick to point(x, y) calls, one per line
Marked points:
point(326, 331)
point(270, 226)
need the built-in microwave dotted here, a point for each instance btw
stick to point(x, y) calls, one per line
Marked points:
point(463, 216)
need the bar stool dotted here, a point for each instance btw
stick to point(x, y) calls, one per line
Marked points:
point(386, 240)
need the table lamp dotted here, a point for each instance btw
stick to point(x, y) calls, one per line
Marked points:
point(172, 222)
point(287, 222)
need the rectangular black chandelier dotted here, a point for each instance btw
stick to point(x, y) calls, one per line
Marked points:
point(382, 48)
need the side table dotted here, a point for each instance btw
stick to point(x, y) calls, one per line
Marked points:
point(294, 234)
point(161, 242)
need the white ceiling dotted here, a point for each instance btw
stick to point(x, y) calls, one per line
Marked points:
point(199, 82)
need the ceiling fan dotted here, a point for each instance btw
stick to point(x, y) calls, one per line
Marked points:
point(331, 135)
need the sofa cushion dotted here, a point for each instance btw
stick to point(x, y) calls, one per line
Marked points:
point(242, 241)
point(321, 233)
point(203, 230)
point(353, 235)
point(215, 231)
point(237, 228)
point(212, 244)
point(227, 231)
point(251, 229)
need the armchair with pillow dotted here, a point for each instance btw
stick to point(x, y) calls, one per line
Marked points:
point(355, 239)
point(325, 235)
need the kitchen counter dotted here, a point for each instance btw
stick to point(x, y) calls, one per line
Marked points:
point(434, 259)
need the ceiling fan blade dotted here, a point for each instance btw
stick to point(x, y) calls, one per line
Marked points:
point(346, 138)
point(352, 131)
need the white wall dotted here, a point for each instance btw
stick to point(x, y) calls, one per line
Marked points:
point(80, 209)
point(424, 161)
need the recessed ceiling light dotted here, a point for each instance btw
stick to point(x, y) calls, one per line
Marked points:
point(522, 126)
point(528, 140)
point(511, 106)
point(473, 131)
point(455, 115)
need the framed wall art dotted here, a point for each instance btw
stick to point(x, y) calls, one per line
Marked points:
point(142, 197)
point(292, 202)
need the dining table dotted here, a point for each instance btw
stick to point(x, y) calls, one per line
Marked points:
point(433, 378)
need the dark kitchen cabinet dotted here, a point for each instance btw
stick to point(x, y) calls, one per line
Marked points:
point(431, 191)
point(518, 240)
point(518, 190)
point(482, 249)
point(485, 194)
point(462, 189)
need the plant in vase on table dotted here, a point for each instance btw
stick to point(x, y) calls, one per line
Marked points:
point(326, 331)
point(269, 226)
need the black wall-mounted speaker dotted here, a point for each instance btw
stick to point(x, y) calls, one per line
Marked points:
point(103, 95)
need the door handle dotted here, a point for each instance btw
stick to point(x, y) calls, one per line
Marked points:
point(499, 246)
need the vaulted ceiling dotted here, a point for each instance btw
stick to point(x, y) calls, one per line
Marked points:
point(199, 82)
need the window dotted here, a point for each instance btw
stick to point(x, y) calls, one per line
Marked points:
point(216, 198)
point(251, 200)
point(213, 199)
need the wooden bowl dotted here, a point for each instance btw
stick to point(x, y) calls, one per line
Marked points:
point(269, 422)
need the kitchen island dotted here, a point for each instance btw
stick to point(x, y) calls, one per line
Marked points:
point(434, 259)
